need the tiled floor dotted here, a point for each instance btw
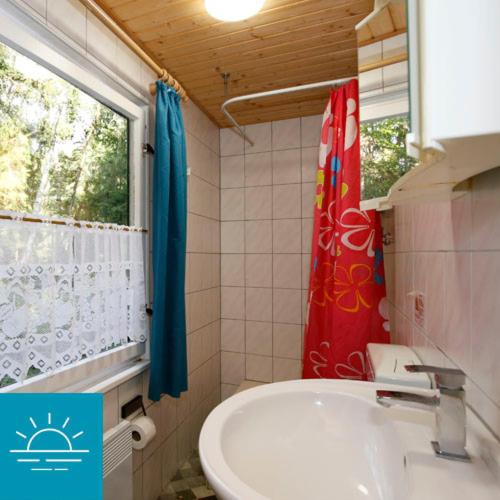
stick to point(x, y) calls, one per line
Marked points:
point(189, 483)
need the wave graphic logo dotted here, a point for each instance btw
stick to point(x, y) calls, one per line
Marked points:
point(47, 441)
point(51, 446)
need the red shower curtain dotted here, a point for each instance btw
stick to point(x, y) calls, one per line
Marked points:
point(347, 306)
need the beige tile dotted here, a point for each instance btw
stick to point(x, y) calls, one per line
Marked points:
point(286, 166)
point(232, 368)
point(395, 73)
point(168, 412)
point(308, 199)
point(259, 304)
point(154, 412)
point(137, 484)
point(111, 409)
point(233, 335)
point(286, 201)
point(151, 477)
point(232, 302)
point(485, 210)
point(258, 169)
point(231, 143)
point(287, 271)
point(309, 164)
point(307, 232)
point(259, 368)
point(258, 270)
point(404, 228)
point(258, 202)
point(129, 390)
point(310, 128)
point(287, 341)
point(404, 290)
point(457, 343)
point(260, 134)
point(485, 343)
point(370, 53)
point(232, 171)
point(232, 204)
point(227, 390)
point(287, 236)
point(40, 7)
point(259, 338)
point(306, 267)
point(259, 236)
point(232, 237)
point(286, 369)
point(169, 463)
point(233, 270)
point(287, 306)
point(286, 134)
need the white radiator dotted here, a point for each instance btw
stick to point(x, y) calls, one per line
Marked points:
point(117, 463)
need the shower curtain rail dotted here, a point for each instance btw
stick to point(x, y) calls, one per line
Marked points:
point(286, 90)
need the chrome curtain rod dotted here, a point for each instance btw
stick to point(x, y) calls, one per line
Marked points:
point(286, 90)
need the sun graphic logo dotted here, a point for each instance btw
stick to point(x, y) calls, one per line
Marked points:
point(51, 446)
point(46, 441)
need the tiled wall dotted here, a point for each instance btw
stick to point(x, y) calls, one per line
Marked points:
point(450, 253)
point(178, 421)
point(267, 193)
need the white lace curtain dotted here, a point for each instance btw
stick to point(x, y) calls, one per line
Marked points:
point(67, 293)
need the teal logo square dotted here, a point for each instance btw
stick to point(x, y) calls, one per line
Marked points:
point(51, 446)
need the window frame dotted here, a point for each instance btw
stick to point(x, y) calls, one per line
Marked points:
point(30, 38)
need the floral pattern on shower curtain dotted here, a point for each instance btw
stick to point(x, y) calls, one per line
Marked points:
point(347, 305)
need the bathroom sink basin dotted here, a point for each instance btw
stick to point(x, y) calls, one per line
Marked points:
point(328, 439)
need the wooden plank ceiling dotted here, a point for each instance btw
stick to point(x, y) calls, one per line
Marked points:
point(390, 21)
point(290, 42)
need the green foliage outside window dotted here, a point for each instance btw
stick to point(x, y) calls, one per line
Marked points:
point(383, 155)
point(61, 151)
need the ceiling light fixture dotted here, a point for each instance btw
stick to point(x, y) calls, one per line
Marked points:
point(233, 10)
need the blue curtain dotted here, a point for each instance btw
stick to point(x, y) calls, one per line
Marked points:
point(168, 336)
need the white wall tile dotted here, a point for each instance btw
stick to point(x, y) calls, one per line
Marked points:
point(232, 237)
point(258, 169)
point(286, 201)
point(258, 203)
point(260, 134)
point(259, 270)
point(233, 335)
point(259, 338)
point(232, 171)
point(259, 368)
point(259, 304)
point(39, 6)
point(286, 166)
point(233, 270)
point(310, 129)
point(232, 302)
point(286, 134)
point(287, 271)
point(287, 341)
point(287, 236)
point(259, 236)
point(231, 143)
point(232, 368)
point(232, 204)
point(287, 306)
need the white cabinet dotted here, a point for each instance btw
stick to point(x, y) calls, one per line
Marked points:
point(454, 76)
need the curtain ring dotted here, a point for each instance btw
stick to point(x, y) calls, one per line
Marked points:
point(163, 75)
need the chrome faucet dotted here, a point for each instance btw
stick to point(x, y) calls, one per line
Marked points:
point(449, 407)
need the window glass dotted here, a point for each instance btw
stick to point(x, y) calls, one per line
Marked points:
point(61, 151)
point(383, 155)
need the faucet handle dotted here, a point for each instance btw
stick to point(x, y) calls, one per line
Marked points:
point(446, 378)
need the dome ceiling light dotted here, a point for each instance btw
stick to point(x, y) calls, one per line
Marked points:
point(233, 10)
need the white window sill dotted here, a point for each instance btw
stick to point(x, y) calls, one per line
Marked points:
point(98, 374)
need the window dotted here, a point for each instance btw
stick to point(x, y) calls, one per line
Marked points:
point(62, 152)
point(72, 297)
point(383, 155)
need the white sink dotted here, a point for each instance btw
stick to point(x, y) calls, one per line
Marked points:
point(326, 439)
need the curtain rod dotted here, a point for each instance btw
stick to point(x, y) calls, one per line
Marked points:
point(66, 223)
point(307, 86)
point(162, 73)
